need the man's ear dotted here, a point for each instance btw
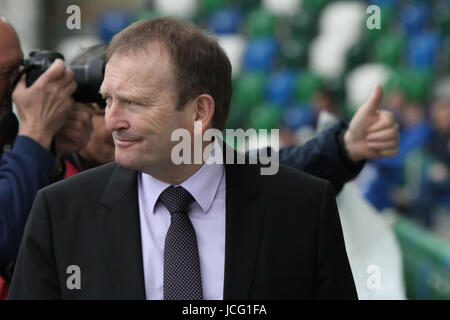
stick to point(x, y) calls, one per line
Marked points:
point(204, 111)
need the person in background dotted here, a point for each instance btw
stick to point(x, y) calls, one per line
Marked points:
point(100, 147)
point(415, 133)
point(434, 185)
point(27, 160)
point(325, 100)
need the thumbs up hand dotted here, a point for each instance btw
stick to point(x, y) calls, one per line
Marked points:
point(372, 133)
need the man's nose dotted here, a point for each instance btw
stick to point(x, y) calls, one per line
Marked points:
point(115, 117)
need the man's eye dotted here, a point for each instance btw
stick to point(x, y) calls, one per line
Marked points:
point(107, 100)
point(133, 104)
point(130, 102)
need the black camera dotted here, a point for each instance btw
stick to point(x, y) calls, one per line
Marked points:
point(88, 77)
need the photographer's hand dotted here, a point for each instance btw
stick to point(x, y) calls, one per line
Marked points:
point(76, 131)
point(44, 107)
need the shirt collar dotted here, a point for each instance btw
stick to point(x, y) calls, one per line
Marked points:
point(202, 185)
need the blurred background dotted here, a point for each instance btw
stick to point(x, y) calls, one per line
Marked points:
point(299, 65)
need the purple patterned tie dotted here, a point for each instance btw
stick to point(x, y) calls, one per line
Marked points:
point(182, 278)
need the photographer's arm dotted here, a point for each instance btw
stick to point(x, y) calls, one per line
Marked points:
point(23, 171)
point(43, 109)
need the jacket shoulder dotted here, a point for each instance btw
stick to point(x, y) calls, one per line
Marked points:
point(291, 178)
point(292, 191)
point(86, 181)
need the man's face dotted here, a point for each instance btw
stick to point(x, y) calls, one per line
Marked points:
point(440, 116)
point(141, 100)
point(10, 58)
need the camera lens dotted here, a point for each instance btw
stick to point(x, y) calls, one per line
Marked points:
point(89, 78)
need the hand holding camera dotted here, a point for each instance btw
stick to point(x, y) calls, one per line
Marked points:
point(45, 100)
point(44, 106)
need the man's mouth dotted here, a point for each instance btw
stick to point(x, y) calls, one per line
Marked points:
point(124, 143)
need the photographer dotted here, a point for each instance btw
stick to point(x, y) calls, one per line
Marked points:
point(50, 126)
point(100, 147)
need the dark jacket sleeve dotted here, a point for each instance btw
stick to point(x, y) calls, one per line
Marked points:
point(324, 156)
point(23, 171)
point(35, 274)
point(334, 279)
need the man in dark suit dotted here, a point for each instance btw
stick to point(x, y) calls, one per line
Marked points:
point(145, 227)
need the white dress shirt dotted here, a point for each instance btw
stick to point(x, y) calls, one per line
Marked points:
point(207, 214)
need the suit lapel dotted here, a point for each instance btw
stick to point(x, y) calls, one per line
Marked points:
point(120, 235)
point(244, 218)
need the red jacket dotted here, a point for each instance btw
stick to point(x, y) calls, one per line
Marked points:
point(70, 169)
point(4, 288)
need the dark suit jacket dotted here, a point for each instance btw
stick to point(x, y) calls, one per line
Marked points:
point(325, 157)
point(283, 238)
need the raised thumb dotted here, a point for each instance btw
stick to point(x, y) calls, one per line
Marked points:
point(374, 100)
